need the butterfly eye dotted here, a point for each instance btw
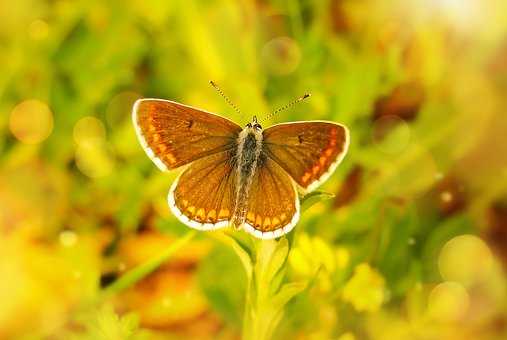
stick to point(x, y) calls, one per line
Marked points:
point(258, 126)
point(249, 125)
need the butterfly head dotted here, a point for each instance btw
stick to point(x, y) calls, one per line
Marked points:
point(254, 124)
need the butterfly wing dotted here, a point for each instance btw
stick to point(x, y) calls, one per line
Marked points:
point(308, 151)
point(173, 134)
point(273, 203)
point(203, 195)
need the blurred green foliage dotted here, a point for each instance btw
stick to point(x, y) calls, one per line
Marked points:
point(421, 86)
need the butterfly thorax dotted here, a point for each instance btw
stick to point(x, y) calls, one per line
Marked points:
point(247, 159)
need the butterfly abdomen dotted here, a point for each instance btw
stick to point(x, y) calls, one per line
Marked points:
point(248, 152)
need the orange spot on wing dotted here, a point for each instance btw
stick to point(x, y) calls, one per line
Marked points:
point(156, 137)
point(184, 203)
point(267, 223)
point(306, 177)
point(170, 158)
point(283, 217)
point(276, 221)
point(258, 221)
point(152, 128)
point(322, 160)
point(191, 210)
point(212, 215)
point(200, 214)
point(328, 152)
point(315, 169)
point(223, 213)
point(332, 141)
point(250, 216)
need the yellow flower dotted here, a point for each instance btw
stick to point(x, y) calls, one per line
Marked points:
point(312, 255)
point(365, 290)
point(347, 336)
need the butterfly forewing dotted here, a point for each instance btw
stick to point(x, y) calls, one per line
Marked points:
point(308, 151)
point(203, 196)
point(273, 206)
point(173, 134)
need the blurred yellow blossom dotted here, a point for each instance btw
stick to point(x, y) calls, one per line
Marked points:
point(311, 254)
point(365, 290)
point(347, 336)
point(342, 257)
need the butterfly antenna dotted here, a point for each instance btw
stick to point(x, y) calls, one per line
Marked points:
point(226, 98)
point(291, 104)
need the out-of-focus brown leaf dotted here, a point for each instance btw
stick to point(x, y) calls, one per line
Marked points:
point(340, 22)
point(350, 187)
point(169, 298)
point(498, 64)
point(449, 195)
point(404, 102)
point(496, 233)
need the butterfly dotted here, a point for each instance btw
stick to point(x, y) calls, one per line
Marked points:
point(250, 177)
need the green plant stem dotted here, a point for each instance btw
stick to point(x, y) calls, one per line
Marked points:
point(256, 323)
point(265, 297)
point(141, 271)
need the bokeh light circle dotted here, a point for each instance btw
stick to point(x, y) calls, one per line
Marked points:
point(465, 259)
point(94, 159)
point(391, 134)
point(89, 130)
point(31, 121)
point(410, 176)
point(68, 238)
point(119, 108)
point(281, 55)
point(38, 29)
point(319, 105)
point(448, 302)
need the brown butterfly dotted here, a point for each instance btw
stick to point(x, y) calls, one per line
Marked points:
point(245, 177)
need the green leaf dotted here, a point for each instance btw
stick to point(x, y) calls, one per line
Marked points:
point(278, 258)
point(314, 197)
point(243, 255)
point(106, 324)
point(287, 292)
point(222, 280)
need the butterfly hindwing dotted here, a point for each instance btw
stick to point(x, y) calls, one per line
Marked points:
point(308, 151)
point(273, 203)
point(203, 195)
point(174, 134)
